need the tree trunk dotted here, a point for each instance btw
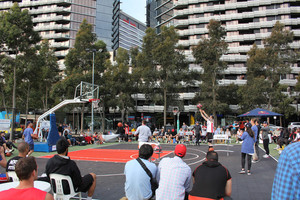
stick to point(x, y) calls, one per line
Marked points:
point(270, 97)
point(122, 112)
point(73, 124)
point(46, 100)
point(102, 113)
point(3, 99)
point(214, 95)
point(27, 102)
point(14, 103)
point(82, 117)
point(165, 107)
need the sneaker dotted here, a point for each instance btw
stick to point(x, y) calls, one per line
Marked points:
point(255, 161)
point(242, 172)
point(279, 151)
point(266, 156)
point(248, 173)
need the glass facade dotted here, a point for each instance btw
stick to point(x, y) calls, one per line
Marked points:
point(127, 32)
point(104, 14)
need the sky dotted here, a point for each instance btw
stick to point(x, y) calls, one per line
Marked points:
point(135, 8)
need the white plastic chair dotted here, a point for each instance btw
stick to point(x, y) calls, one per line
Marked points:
point(59, 194)
point(13, 175)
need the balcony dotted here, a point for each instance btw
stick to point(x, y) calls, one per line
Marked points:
point(51, 19)
point(56, 35)
point(289, 82)
point(52, 27)
point(225, 82)
point(50, 10)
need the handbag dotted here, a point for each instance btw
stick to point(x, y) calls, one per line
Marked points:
point(154, 184)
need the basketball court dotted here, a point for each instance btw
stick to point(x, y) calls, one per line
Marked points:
point(108, 163)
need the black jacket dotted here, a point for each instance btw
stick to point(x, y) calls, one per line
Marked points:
point(63, 166)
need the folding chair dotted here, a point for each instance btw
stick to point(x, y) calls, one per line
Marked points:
point(59, 194)
point(13, 175)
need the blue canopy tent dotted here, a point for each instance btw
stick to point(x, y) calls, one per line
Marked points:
point(259, 112)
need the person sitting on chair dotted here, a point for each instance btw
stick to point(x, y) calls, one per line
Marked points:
point(23, 149)
point(26, 170)
point(62, 164)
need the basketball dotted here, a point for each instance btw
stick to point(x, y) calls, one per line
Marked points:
point(199, 105)
point(8, 154)
point(120, 124)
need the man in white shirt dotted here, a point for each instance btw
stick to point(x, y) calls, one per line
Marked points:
point(144, 133)
point(174, 176)
point(210, 125)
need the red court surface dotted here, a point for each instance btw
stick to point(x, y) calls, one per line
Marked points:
point(107, 155)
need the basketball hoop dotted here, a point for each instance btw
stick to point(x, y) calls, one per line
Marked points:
point(95, 102)
point(175, 111)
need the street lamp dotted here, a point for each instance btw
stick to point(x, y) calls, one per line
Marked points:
point(93, 82)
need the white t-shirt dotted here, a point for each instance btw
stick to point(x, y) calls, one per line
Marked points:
point(210, 126)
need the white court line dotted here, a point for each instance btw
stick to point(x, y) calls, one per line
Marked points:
point(269, 154)
point(198, 160)
point(197, 156)
point(229, 151)
point(111, 175)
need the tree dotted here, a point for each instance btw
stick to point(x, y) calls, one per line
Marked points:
point(208, 54)
point(49, 70)
point(163, 66)
point(79, 62)
point(120, 81)
point(264, 68)
point(16, 32)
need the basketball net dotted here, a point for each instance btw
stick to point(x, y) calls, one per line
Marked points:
point(95, 102)
point(175, 112)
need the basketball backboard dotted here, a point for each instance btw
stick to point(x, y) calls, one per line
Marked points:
point(84, 91)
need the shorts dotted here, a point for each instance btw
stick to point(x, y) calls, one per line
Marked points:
point(87, 182)
point(180, 137)
point(31, 146)
point(209, 137)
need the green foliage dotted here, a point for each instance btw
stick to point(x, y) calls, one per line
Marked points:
point(297, 87)
point(162, 65)
point(20, 73)
point(119, 82)
point(79, 62)
point(264, 67)
point(16, 29)
point(208, 53)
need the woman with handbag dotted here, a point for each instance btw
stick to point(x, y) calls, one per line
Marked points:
point(248, 139)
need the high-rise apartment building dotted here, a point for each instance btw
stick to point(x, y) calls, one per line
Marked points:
point(246, 22)
point(151, 13)
point(57, 20)
point(127, 31)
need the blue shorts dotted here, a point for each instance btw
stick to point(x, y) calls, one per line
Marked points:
point(31, 146)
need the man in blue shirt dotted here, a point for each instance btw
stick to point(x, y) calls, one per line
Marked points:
point(137, 185)
point(286, 183)
point(29, 136)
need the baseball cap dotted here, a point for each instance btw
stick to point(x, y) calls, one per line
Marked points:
point(265, 122)
point(180, 150)
point(29, 122)
point(248, 125)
